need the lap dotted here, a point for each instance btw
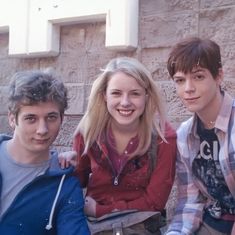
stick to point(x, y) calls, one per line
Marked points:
point(205, 229)
point(137, 229)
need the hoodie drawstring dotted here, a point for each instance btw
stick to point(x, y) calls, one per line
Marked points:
point(49, 225)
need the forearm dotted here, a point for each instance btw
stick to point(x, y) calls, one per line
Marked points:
point(142, 203)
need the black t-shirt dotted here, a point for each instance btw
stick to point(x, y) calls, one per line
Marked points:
point(207, 169)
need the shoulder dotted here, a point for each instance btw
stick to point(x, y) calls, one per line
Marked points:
point(54, 166)
point(170, 132)
point(70, 184)
point(70, 190)
point(78, 142)
point(170, 138)
point(185, 127)
point(79, 138)
point(4, 137)
point(72, 181)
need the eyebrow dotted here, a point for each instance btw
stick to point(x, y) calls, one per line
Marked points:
point(33, 114)
point(178, 77)
point(136, 89)
point(193, 71)
point(54, 113)
point(198, 70)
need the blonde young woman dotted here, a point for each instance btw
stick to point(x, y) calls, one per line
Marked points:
point(126, 150)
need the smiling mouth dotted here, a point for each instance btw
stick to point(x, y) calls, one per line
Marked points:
point(125, 112)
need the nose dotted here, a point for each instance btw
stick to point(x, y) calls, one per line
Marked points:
point(42, 127)
point(189, 86)
point(125, 100)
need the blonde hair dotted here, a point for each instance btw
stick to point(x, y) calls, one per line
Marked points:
point(96, 118)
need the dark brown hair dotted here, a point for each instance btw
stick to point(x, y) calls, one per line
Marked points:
point(193, 52)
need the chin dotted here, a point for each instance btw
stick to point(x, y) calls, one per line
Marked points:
point(192, 108)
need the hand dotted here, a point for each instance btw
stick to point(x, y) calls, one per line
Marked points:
point(90, 206)
point(67, 159)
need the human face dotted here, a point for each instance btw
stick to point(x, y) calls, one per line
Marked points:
point(35, 130)
point(198, 90)
point(126, 100)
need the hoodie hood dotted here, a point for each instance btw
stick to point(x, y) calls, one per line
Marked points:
point(4, 137)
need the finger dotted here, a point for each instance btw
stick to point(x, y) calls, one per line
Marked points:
point(62, 163)
point(73, 163)
point(67, 164)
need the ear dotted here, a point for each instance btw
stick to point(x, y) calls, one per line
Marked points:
point(105, 97)
point(220, 77)
point(62, 117)
point(146, 97)
point(12, 120)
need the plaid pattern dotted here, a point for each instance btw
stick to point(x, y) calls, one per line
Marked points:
point(193, 196)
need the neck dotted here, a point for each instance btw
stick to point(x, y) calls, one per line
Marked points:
point(125, 130)
point(208, 117)
point(122, 137)
point(23, 156)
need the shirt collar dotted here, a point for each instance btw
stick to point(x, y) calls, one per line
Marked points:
point(222, 120)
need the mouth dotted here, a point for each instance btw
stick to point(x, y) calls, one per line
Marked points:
point(191, 100)
point(41, 141)
point(125, 112)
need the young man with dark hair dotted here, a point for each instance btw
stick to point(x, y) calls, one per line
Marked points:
point(206, 141)
point(37, 196)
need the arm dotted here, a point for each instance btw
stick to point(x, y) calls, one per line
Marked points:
point(83, 168)
point(188, 212)
point(190, 204)
point(71, 219)
point(161, 181)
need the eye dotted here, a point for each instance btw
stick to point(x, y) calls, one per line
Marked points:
point(199, 77)
point(52, 117)
point(179, 80)
point(136, 93)
point(30, 119)
point(115, 93)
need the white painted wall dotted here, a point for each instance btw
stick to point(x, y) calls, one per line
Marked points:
point(34, 25)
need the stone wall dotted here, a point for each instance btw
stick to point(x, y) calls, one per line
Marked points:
point(161, 24)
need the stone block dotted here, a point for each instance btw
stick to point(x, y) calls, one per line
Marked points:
point(218, 25)
point(151, 7)
point(65, 137)
point(228, 60)
point(229, 86)
point(4, 125)
point(9, 66)
point(155, 60)
point(174, 105)
point(76, 94)
point(165, 30)
point(3, 100)
point(216, 3)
